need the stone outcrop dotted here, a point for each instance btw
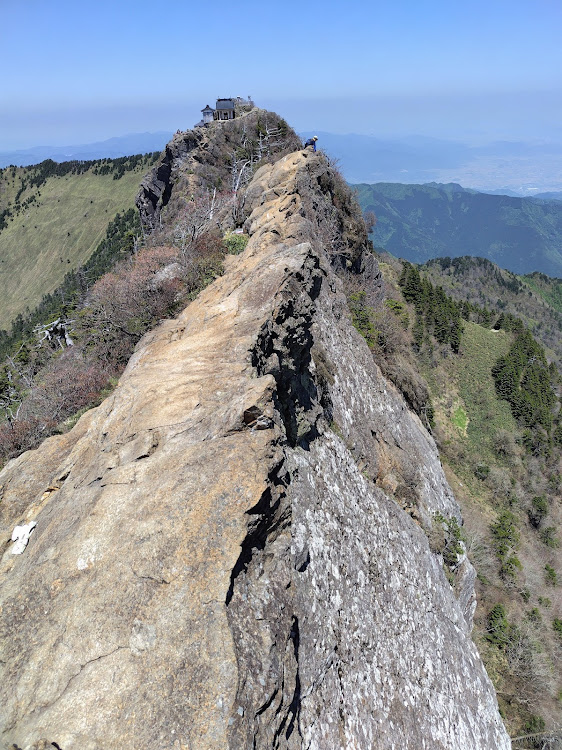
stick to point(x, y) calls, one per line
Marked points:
point(205, 156)
point(219, 560)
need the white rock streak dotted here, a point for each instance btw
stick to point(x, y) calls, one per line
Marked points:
point(20, 535)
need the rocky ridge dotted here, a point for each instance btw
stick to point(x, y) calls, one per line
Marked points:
point(210, 156)
point(220, 560)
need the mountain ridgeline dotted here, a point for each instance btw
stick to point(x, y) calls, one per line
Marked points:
point(263, 601)
point(420, 222)
point(112, 148)
point(265, 547)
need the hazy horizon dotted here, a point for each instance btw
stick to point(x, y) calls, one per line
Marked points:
point(477, 73)
point(399, 117)
point(513, 166)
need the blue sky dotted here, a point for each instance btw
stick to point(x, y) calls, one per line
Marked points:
point(79, 72)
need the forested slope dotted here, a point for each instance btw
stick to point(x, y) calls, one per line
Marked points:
point(419, 222)
point(534, 298)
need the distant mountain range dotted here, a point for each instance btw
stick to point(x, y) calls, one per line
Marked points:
point(555, 195)
point(502, 167)
point(125, 145)
point(510, 168)
point(419, 222)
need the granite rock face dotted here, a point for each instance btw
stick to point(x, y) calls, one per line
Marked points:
point(221, 559)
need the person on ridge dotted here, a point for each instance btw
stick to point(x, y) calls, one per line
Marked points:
point(311, 142)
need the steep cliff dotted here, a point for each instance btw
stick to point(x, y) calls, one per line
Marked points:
point(222, 558)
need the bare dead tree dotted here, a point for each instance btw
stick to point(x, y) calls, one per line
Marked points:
point(271, 137)
point(241, 173)
point(18, 380)
point(549, 740)
point(197, 217)
point(56, 334)
point(10, 403)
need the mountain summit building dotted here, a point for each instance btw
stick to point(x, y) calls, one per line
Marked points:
point(225, 109)
point(207, 113)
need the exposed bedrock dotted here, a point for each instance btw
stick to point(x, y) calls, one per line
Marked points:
point(156, 187)
point(220, 558)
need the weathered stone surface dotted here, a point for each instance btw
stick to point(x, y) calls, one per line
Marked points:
point(216, 562)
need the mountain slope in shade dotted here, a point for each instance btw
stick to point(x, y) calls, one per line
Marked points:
point(419, 222)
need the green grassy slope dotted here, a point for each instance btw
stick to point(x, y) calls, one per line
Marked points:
point(486, 414)
point(56, 232)
point(468, 413)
